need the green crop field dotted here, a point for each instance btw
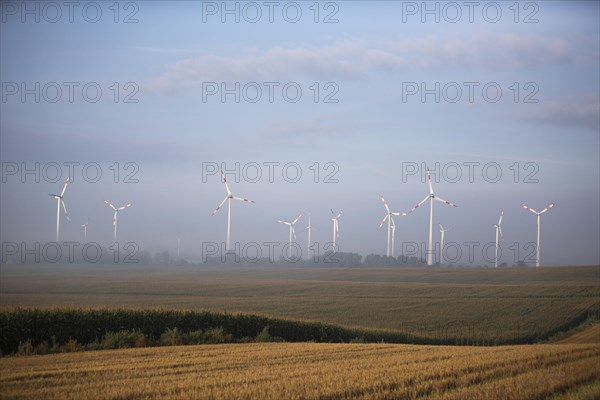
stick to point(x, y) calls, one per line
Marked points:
point(486, 305)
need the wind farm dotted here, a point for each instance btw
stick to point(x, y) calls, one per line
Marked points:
point(246, 152)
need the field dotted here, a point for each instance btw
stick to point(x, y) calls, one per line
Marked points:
point(470, 306)
point(486, 305)
point(309, 371)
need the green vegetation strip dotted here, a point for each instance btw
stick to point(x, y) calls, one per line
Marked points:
point(62, 329)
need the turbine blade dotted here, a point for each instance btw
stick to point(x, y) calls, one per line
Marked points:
point(530, 209)
point(283, 222)
point(500, 220)
point(296, 220)
point(124, 207)
point(429, 181)
point(400, 214)
point(243, 199)
point(340, 214)
point(420, 203)
point(225, 182)
point(65, 209)
point(385, 204)
point(65, 186)
point(110, 205)
point(293, 231)
point(500, 230)
point(445, 201)
point(383, 220)
point(547, 208)
point(219, 206)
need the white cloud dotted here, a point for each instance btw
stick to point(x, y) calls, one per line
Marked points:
point(355, 59)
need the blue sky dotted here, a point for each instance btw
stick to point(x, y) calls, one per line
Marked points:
point(370, 58)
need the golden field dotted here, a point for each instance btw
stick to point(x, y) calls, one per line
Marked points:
point(309, 371)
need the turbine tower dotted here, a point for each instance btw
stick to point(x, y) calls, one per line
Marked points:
point(498, 235)
point(309, 229)
point(228, 200)
point(393, 235)
point(537, 246)
point(60, 200)
point(336, 227)
point(442, 232)
point(116, 210)
point(391, 225)
point(431, 196)
point(85, 226)
point(292, 232)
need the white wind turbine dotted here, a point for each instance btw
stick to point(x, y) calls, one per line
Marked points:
point(442, 232)
point(228, 200)
point(85, 226)
point(391, 225)
point(116, 210)
point(60, 200)
point(292, 232)
point(498, 235)
point(431, 196)
point(336, 227)
point(537, 253)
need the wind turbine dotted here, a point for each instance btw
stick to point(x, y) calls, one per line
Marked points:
point(228, 200)
point(389, 218)
point(116, 210)
point(60, 200)
point(336, 227)
point(442, 233)
point(537, 255)
point(498, 234)
point(309, 229)
point(431, 196)
point(85, 226)
point(292, 232)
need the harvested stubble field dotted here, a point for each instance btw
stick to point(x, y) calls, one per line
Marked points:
point(310, 371)
point(505, 305)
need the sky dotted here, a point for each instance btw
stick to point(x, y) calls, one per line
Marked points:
point(308, 107)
